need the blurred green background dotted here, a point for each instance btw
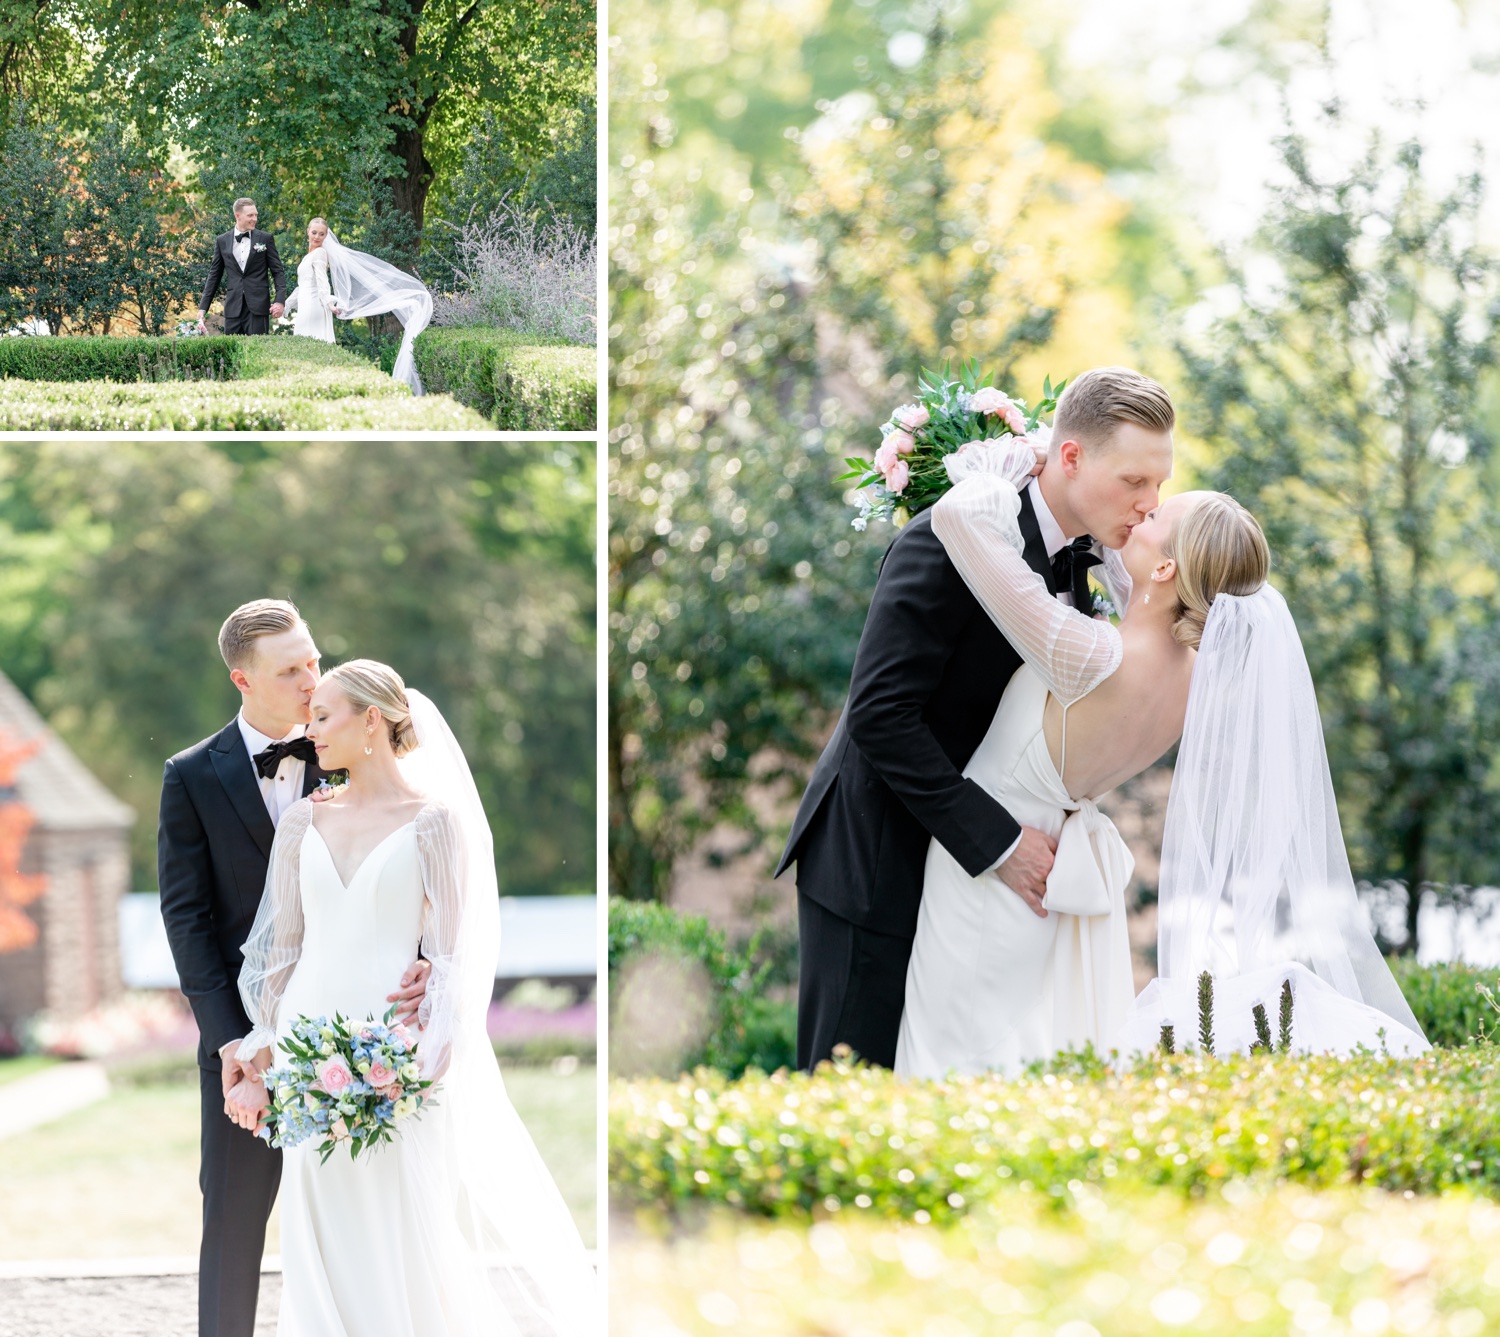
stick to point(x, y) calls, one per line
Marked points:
point(468, 566)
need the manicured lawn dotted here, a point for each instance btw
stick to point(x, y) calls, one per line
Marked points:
point(12, 1069)
point(120, 1179)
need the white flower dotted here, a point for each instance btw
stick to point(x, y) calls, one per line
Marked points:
point(260, 246)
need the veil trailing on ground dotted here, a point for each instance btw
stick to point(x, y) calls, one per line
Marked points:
point(364, 285)
point(484, 1192)
point(1255, 880)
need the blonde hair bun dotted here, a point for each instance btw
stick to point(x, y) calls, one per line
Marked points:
point(1220, 549)
point(366, 683)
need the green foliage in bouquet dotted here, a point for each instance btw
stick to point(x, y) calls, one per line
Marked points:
point(907, 473)
point(797, 1145)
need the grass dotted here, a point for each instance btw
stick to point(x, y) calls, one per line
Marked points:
point(1257, 1263)
point(278, 384)
point(120, 1178)
point(27, 1065)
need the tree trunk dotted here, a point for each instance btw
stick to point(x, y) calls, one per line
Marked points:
point(409, 190)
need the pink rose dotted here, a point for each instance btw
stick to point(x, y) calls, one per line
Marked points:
point(903, 441)
point(1014, 419)
point(885, 457)
point(339, 1129)
point(989, 400)
point(401, 1033)
point(380, 1075)
point(911, 416)
point(334, 1076)
point(900, 474)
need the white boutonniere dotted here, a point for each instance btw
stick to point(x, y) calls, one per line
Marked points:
point(259, 246)
point(1104, 605)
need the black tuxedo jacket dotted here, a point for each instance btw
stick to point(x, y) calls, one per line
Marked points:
point(213, 848)
point(928, 676)
point(250, 290)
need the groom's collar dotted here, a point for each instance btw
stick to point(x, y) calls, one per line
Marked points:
point(1052, 534)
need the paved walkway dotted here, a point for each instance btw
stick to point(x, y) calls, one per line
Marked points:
point(160, 1306)
point(29, 1102)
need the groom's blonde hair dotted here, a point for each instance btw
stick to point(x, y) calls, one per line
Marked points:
point(243, 627)
point(239, 204)
point(1103, 399)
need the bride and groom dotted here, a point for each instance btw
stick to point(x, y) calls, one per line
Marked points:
point(332, 280)
point(961, 899)
point(386, 893)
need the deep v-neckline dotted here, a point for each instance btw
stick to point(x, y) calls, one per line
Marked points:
point(374, 850)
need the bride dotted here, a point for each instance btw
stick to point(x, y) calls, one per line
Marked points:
point(1255, 884)
point(455, 1229)
point(333, 281)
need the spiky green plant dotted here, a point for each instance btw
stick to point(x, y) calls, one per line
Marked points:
point(1168, 1038)
point(1285, 1039)
point(1262, 1043)
point(1206, 1012)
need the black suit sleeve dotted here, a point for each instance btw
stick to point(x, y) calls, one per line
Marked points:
point(920, 607)
point(278, 272)
point(186, 876)
point(215, 276)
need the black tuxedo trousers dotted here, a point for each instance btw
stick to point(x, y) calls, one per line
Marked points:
point(213, 850)
point(928, 676)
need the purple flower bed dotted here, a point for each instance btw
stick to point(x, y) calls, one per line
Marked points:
point(529, 1023)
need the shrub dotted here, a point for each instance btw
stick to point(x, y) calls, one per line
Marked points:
point(796, 1144)
point(518, 385)
point(106, 358)
point(1447, 999)
point(283, 385)
point(731, 1023)
point(1134, 1265)
point(519, 271)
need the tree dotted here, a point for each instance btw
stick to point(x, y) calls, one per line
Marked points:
point(457, 563)
point(1353, 408)
point(317, 94)
point(776, 289)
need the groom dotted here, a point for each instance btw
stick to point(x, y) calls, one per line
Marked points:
point(928, 676)
point(220, 802)
point(245, 261)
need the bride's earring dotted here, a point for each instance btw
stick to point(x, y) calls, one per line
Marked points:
point(1147, 599)
point(369, 751)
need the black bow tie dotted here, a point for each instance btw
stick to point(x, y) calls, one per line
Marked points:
point(1076, 556)
point(269, 761)
point(240, 236)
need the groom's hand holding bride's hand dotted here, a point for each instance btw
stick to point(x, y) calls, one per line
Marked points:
point(246, 1103)
point(1025, 872)
point(408, 998)
point(277, 310)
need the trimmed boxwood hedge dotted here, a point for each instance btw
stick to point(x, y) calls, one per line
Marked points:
point(519, 383)
point(796, 1145)
point(1447, 999)
point(106, 358)
point(282, 384)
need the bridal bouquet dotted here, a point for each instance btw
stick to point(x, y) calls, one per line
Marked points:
point(344, 1082)
point(907, 474)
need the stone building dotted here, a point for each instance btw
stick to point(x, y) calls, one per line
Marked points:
point(64, 865)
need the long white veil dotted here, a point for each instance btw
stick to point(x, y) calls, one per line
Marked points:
point(364, 285)
point(484, 1193)
point(1255, 880)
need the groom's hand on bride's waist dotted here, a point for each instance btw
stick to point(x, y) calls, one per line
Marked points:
point(1025, 871)
point(408, 998)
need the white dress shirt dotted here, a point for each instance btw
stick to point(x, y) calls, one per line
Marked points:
point(242, 252)
point(284, 788)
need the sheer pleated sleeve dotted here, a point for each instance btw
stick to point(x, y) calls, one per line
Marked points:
point(976, 523)
point(320, 277)
point(443, 859)
point(275, 943)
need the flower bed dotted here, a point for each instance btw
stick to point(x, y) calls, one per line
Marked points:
point(856, 1139)
point(272, 385)
point(519, 383)
point(1134, 1265)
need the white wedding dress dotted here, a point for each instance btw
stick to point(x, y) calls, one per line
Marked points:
point(1255, 883)
point(454, 1228)
point(311, 302)
point(990, 985)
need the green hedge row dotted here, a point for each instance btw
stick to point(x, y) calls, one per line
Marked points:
point(107, 358)
point(1448, 1000)
point(283, 384)
point(516, 382)
point(794, 1145)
